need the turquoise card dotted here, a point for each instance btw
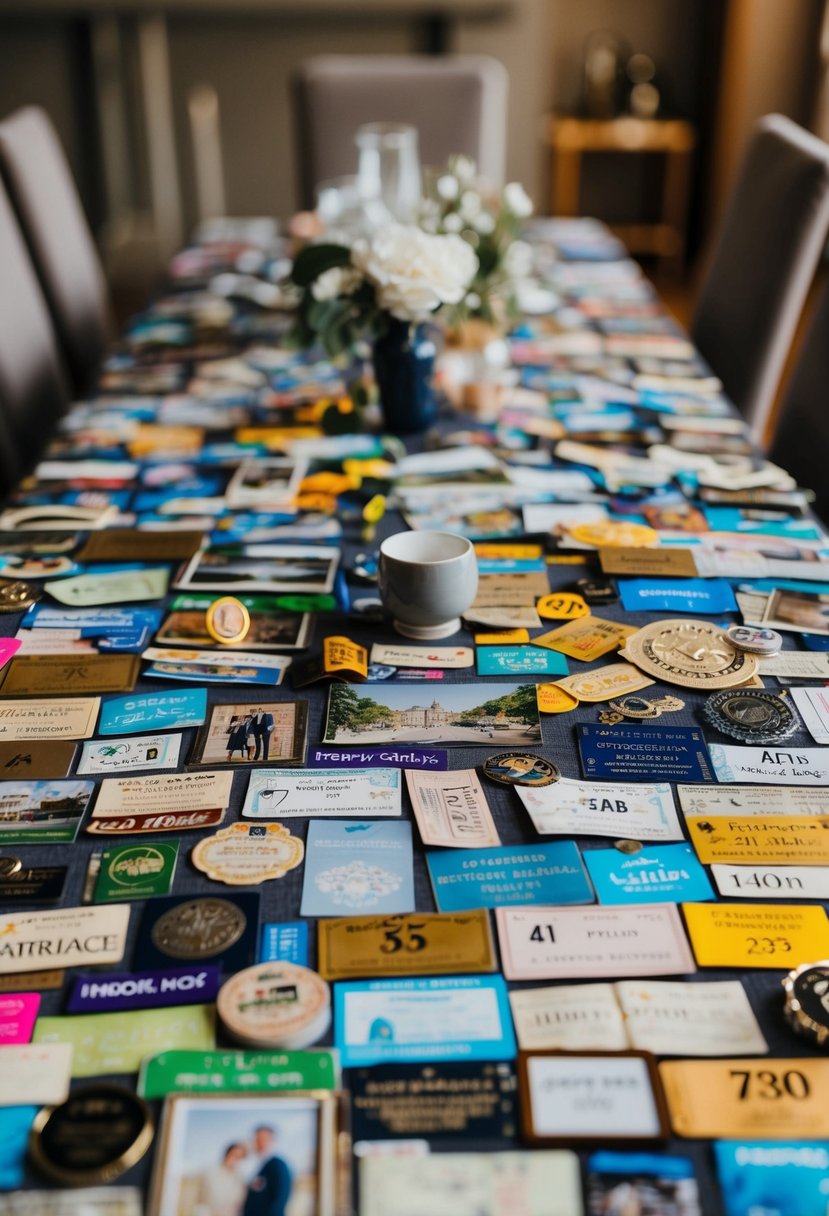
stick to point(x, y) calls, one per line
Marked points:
point(463, 879)
point(659, 874)
point(519, 661)
point(153, 711)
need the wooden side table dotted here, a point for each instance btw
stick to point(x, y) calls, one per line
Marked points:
point(570, 138)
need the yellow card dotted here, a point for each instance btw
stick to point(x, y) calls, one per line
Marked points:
point(341, 654)
point(429, 943)
point(497, 549)
point(748, 1099)
point(506, 638)
point(776, 839)
point(757, 935)
point(554, 700)
point(563, 606)
point(587, 639)
point(274, 437)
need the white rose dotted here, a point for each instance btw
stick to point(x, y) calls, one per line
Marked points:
point(470, 204)
point(484, 223)
point(414, 272)
point(517, 200)
point(338, 281)
point(448, 187)
point(452, 222)
point(465, 168)
point(518, 260)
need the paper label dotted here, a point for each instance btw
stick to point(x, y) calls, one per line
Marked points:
point(757, 935)
point(776, 1099)
point(590, 808)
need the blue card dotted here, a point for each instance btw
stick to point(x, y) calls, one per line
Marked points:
point(354, 867)
point(644, 753)
point(773, 1178)
point(519, 660)
point(286, 942)
point(698, 595)
point(15, 1124)
point(153, 711)
point(667, 873)
point(553, 873)
point(445, 1018)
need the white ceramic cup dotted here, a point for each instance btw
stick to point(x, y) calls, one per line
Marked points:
point(427, 579)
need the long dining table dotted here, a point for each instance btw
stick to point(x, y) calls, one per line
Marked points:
point(200, 383)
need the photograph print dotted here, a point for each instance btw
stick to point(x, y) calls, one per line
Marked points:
point(252, 732)
point(277, 569)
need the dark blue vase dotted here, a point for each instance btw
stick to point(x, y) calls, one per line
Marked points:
point(404, 364)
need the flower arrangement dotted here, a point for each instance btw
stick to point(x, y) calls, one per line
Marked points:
point(400, 273)
point(459, 204)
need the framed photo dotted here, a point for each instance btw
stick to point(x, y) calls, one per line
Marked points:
point(252, 732)
point(277, 569)
point(273, 1153)
point(612, 1097)
point(265, 484)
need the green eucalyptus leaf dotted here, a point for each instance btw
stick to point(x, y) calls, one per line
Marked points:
point(314, 260)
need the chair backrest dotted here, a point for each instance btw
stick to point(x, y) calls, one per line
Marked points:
point(457, 102)
point(32, 387)
point(43, 194)
point(800, 443)
point(764, 260)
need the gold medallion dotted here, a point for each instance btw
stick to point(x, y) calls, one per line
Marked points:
point(199, 928)
point(691, 653)
point(227, 620)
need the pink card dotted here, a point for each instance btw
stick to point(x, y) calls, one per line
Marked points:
point(590, 943)
point(8, 648)
point(18, 1012)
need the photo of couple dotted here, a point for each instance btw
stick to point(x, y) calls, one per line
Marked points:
point(250, 736)
point(247, 733)
point(250, 1180)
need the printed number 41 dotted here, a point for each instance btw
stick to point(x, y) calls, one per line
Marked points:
point(538, 933)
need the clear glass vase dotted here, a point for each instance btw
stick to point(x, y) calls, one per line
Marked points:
point(389, 171)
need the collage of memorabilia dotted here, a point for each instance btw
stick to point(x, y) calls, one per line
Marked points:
point(396, 828)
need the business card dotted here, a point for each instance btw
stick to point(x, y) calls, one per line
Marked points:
point(106, 1043)
point(166, 802)
point(813, 707)
point(685, 595)
point(467, 1099)
point(668, 873)
point(422, 1020)
point(284, 942)
point(751, 800)
point(65, 937)
point(424, 943)
point(546, 943)
point(511, 874)
point(756, 935)
point(130, 754)
point(285, 793)
point(519, 660)
point(422, 656)
point(772, 882)
point(591, 808)
point(766, 840)
point(59, 718)
point(781, 764)
point(43, 760)
point(152, 712)
point(135, 871)
point(451, 809)
point(779, 1099)
point(787, 1179)
point(671, 753)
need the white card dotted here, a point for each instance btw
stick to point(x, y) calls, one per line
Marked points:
point(772, 882)
point(64, 937)
point(672, 1019)
point(813, 706)
point(592, 1096)
point(573, 1017)
point(796, 664)
point(543, 517)
point(752, 800)
point(279, 793)
point(590, 808)
point(124, 755)
point(780, 764)
point(35, 1073)
point(422, 656)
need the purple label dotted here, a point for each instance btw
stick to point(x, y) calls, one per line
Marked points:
point(143, 989)
point(376, 757)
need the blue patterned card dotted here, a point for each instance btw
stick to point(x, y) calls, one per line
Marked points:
point(773, 1178)
point(519, 661)
point(662, 873)
point(153, 711)
point(354, 867)
point(518, 874)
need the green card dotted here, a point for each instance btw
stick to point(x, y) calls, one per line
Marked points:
point(135, 871)
point(217, 1072)
point(118, 1042)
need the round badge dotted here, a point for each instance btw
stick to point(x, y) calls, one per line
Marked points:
point(807, 1001)
point(751, 715)
point(628, 846)
point(198, 928)
point(97, 1134)
point(520, 768)
point(562, 607)
point(275, 1004)
point(9, 866)
point(754, 640)
point(227, 620)
point(15, 595)
point(691, 653)
point(612, 533)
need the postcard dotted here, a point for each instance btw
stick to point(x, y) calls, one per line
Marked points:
point(485, 715)
point(428, 943)
point(35, 1072)
point(18, 1014)
point(519, 661)
point(253, 732)
point(355, 866)
point(472, 1184)
point(668, 873)
point(124, 755)
point(569, 1017)
point(776, 764)
point(547, 943)
point(751, 800)
point(813, 706)
point(798, 611)
point(152, 712)
point(42, 812)
point(117, 1042)
point(271, 627)
point(592, 808)
point(422, 1020)
point(772, 882)
point(60, 718)
point(451, 809)
point(756, 935)
point(645, 1180)
point(65, 937)
point(770, 840)
point(514, 874)
point(703, 1019)
point(265, 484)
point(673, 753)
point(269, 568)
point(281, 1144)
point(765, 1176)
point(43, 759)
point(167, 802)
point(284, 793)
point(220, 929)
point(215, 667)
point(729, 1099)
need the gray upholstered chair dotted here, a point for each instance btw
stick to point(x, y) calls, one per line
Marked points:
point(43, 194)
point(801, 438)
point(457, 102)
point(763, 262)
point(32, 386)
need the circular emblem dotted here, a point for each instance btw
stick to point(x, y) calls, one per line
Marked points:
point(754, 640)
point(520, 768)
point(15, 595)
point(97, 1134)
point(807, 1001)
point(693, 654)
point(199, 928)
point(9, 866)
point(276, 1004)
point(751, 715)
point(628, 846)
point(227, 620)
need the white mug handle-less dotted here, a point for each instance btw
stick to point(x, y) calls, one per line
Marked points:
point(427, 580)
